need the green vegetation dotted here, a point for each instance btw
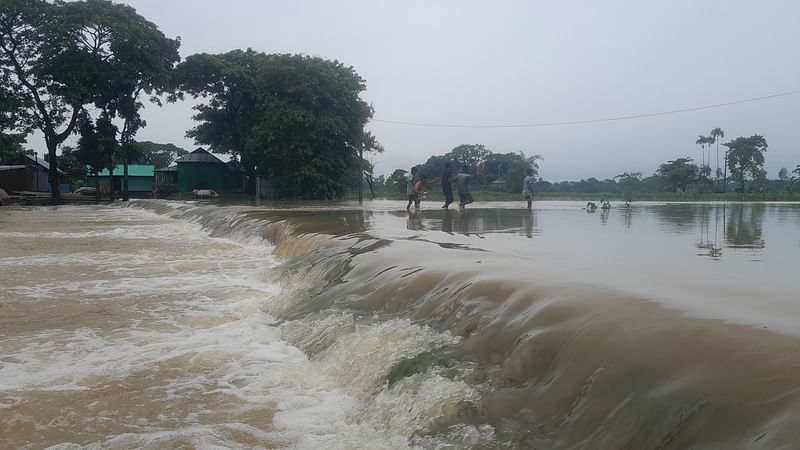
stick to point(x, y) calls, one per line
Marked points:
point(59, 58)
point(158, 155)
point(295, 119)
point(84, 67)
point(499, 176)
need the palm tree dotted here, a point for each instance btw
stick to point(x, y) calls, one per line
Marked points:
point(717, 134)
point(701, 140)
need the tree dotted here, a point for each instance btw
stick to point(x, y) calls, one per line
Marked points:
point(678, 174)
point(323, 124)
point(746, 160)
point(69, 163)
point(307, 127)
point(45, 93)
point(126, 56)
point(471, 155)
point(10, 147)
point(158, 155)
point(629, 181)
point(396, 181)
point(365, 167)
point(511, 167)
point(10, 142)
point(98, 147)
point(59, 57)
point(294, 118)
point(227, 84)
point(717, 134)
point(784, 179)
point(701, 141)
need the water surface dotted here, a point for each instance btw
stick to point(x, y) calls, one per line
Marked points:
point(279, 325)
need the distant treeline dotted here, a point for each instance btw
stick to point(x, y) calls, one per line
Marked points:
point(742, 172)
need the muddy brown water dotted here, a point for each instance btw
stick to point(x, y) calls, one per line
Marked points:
point(192, 325)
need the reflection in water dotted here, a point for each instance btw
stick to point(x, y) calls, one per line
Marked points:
point(707, 246)
point(414, 222)
point(529, 222)
point(447, 221)
point(713, 227)
point(741, 225)
point(745, 225)
point(580, 341)
point(627, 217)
point(604, 216)
point(475, 221)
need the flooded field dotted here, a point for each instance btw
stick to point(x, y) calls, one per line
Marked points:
point(332, 326)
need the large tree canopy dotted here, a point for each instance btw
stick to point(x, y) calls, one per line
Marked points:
point(746, 160)
point(159, 155)
point(296, 119)
point(57, 57)
point(678, 174)
point(227, 84)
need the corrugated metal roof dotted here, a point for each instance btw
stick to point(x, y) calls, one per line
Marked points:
point(42, 163)
point(172, 168)
point(134, 170)
point(200, 155)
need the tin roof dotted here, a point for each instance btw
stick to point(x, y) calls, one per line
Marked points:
point(200, 155)
point(42, 163)
point(134, 170)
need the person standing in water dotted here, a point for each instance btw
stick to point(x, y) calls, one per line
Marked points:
point(527, 187)
point(413, 196)
point(447, 184)
point(462, 183)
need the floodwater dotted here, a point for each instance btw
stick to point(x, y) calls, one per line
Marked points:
point(331, 326)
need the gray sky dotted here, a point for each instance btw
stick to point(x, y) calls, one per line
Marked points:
point(512, 62)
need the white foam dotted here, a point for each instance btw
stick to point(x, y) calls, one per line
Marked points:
point(198, 315)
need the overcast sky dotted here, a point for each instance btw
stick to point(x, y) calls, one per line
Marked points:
point(522, 62)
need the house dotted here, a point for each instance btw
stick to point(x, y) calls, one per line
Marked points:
point(140, 180)
point(200, 170)
point(30, 173)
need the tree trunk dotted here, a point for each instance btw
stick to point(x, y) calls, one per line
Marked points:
point(725, 176)
point(703, 155)
point(125, 173)
point(361, 176)
point(52, 174)
point(111, 184)
point(97, 187)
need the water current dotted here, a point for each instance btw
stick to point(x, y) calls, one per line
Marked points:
point(334, 326)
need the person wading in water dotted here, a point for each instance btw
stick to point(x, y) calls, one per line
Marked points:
point(447, 184)
point(462, 182)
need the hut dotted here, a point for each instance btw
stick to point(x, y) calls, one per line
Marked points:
point(30, 173)
point(140, 180)
point(202, 170)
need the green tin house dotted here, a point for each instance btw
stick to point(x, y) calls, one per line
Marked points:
point(140, 180)
point(201, 170)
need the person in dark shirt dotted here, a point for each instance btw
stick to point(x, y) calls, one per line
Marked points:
point(447, 184)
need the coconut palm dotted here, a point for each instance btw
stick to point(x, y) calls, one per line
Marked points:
point(717, 134)
point(701, 141)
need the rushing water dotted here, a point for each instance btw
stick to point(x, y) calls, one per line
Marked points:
point(179, 325)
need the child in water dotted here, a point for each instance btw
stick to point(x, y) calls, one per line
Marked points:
point(414, 187)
